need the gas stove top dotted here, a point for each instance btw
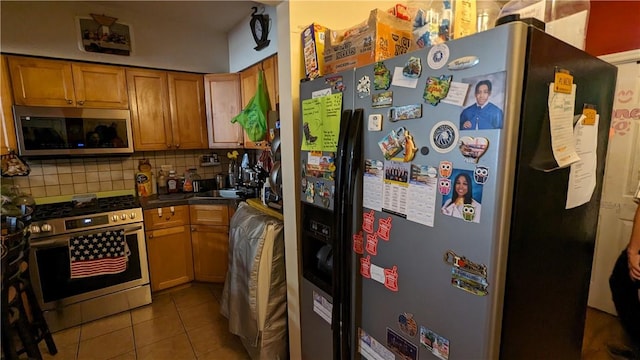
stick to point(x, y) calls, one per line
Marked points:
point(95, 206)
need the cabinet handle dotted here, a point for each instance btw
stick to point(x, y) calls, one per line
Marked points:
point(150, 236)
point(69, 101)
point(81, 102)
point(193, 229)
point(169, 146)
point(177, 146)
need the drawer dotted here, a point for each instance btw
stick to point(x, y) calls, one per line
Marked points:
point(166, 217)
point(209, 215)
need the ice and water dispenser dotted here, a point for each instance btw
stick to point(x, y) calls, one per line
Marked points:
point(318, 237)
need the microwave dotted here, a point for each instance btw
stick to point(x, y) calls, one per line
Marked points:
point(47, 131)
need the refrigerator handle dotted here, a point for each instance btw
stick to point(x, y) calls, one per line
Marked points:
point(338, 196)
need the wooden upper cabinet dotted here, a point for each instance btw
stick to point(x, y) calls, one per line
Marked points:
point(58, 83)
point(188, 120)
point(8, 128)
point(150, 116)
point(249, 84)
point(223, 100)
point(167, 110)
point(38, 82)
point(98, 86)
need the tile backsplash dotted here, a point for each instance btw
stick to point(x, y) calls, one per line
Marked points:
point(68, 176)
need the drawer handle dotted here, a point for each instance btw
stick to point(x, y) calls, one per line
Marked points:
point(69, 101)
point(81, 102)
point(193, 229)
point(150, 236)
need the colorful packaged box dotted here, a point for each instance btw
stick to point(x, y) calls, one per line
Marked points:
point(313, 50)
point(381, 37)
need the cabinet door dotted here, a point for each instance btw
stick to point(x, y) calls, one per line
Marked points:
point(249, 85)
point(270, 67)
point(150, 116)
point(8, 128)
point(222, 97)
point(170, 257)
point(210, 252)
point(216, 215)
point(186, 99)
point(38, 82)
point(99, 86)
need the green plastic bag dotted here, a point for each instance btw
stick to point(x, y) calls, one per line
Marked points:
point(253, 118)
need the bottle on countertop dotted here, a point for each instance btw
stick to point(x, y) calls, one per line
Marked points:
point(172, 182)
point(144, 179)
point(162, 182)
point(266, 190)
point(187, 185)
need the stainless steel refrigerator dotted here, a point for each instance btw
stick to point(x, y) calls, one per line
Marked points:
point(449, 200)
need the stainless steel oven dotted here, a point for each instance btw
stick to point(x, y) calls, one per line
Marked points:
point(69, 300)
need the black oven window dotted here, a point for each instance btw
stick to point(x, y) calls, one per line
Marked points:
point(55, 273)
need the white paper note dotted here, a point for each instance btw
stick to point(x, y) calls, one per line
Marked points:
point(400, 80)
point(322, 307)
point(457, 93)
point(561, 107)
point(569, 29)
point(377, 273)
point(320, 93)
point(373, 182)
point(422, 200)
point(582, 176)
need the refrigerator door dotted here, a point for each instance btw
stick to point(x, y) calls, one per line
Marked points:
point(318, 210)
point(429, 271)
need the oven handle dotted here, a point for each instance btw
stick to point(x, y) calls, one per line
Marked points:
point(63, 240)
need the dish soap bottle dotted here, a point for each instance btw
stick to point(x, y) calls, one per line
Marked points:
point(266, 190)
point(187, 185)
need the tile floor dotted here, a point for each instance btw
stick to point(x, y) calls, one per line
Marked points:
point(181, 324)
point(186, 324)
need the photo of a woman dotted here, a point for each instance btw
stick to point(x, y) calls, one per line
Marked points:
point(463, 202)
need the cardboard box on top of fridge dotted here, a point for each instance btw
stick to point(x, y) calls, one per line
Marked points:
point(380, 37)
point(313, 50)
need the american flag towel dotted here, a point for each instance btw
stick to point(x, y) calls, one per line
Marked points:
point(98, 254)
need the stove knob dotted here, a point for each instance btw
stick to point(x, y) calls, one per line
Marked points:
point(114, 218)
point(34, 229)
point(123, 216)
point(45, 227)
point(132, 215)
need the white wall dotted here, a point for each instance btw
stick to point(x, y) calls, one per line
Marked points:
point(241, 44)
point(49, 29)
point(293, 16)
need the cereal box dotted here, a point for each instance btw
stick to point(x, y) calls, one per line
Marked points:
point(313, 49)
point(381, 37)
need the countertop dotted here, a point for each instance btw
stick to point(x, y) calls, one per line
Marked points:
point(156, 201)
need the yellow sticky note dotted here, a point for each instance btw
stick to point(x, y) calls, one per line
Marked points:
point(563, 82)
point(590, 116)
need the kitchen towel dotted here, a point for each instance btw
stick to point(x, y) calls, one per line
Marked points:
point(98, 254)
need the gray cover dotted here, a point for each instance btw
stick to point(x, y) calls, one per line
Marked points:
point(248, 230)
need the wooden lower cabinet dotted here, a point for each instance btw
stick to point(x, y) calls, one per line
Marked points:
point(170, 260)
point(168, 246)
point(210, 241)
point(210, 246)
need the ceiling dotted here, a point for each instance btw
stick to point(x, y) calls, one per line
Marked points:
point(214, 16)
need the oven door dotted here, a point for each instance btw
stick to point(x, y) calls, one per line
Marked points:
point(51, 271)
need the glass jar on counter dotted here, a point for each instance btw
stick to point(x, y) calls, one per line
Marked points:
point(172, 182)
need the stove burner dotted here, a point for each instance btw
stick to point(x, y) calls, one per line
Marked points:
point(72, 208)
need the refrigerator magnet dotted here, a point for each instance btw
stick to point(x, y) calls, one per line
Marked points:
point(365, 266)
point(407, 325)
point(446, 167)
point(383, 99)
point(368, 221)
point(438, 345)
point(455, 260)
point(364, 87)
point(358, 243)
point(392, 143)
point(410, 148)
point(372, 244)
point(391, 278)
point(401, 346)
point(468, 286)
point(405, 112)
point(309, 192)
point(480, 174)
point(375, 122)
point(444, 136)
point(472, 148)
point(444, 186)
point(413, 68)
point(464, 62)
point(437, 89)
point(336, 83)
point(438, 56)
point(424, 150)
point(384, 228)
point(381, 77)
